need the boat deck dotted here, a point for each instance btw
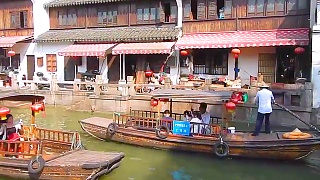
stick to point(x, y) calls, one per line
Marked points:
point(98, 121)
point(85, 157)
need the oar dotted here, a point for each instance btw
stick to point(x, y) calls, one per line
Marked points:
point(298, 117)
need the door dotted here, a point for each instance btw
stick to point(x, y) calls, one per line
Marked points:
point(267, 66)
point(30, 66)
point(70, 69)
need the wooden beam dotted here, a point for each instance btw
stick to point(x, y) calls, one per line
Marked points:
point(111, 61)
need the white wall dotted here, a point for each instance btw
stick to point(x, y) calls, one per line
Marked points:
point(41, 18)
point(315, 74)
point(51, 48)
point(23, 49)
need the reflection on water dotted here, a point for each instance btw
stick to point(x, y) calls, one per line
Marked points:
point(149, 164)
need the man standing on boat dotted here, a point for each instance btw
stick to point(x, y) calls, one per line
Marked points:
point(205, 116)
point(264, 99)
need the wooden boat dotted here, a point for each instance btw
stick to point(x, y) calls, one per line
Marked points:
point(49, 154)
point(144, 128)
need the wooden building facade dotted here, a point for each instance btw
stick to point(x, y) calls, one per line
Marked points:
point(16, 31)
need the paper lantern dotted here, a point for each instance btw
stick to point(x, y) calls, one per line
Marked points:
point(4, 112)
point(149, 73)
point(154, 102)
point(184, 53)
point(37, 107)
point(299, 50)
point(236, 51)
point(230, 107)
point(11, 53)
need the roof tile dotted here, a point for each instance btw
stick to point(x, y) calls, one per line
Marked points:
point(60, 3)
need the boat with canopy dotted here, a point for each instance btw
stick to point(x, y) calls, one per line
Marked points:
point(30, 152)
point(150, 129)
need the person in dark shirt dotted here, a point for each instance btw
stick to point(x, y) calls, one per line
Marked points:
point(167, 120)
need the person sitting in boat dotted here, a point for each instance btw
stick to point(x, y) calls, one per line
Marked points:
point(196, 124)
point(205, 116)
point(187, 115)
point(10, 131)
point(167, 120)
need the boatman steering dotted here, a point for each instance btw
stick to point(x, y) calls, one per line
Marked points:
point(264, 99)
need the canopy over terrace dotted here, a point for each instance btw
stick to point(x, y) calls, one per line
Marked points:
point(191, 95)
point(10, 41)
point(259, 38)
point(144, 48)
point(85, 50)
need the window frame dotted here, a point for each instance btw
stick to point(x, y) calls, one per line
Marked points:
point(147, 18)
point(51, 62)
point(15, 16)
point(213, 68)
point(69, 17)
point(107, 10)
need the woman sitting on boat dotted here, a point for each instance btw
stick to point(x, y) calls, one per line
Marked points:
point(196, 126)
point(10, 131)
point(167, 120)
point(187, 115)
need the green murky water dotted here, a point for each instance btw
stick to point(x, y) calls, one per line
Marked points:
point(150, 164)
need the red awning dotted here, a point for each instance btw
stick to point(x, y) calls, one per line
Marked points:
point(9, 41)
point(85, 50)
point(278, 37)
point(143, 48)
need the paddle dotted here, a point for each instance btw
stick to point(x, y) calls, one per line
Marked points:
point(298, 117)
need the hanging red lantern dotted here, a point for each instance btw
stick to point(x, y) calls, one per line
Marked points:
point(154, 102)
point(37, 107)
point(299, 50)
point(149, 73)
point(236, 51)
point(184, 53)
point(230, 107)
point(164, 100)
point(236, 56)
point(11, 53)
point(4, 112)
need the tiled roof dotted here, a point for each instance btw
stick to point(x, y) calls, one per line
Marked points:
point(127, 34)
point(60, 3)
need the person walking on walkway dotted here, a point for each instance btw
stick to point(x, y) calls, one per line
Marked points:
point(264, 99)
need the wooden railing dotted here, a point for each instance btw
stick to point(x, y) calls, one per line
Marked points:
point(176, 116)
point(20, 148)
point(54, 135)
point(151, 124)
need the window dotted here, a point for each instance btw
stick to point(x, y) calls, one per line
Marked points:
point(187, 10)
point(256, 7)
point(51, 63)
point(214, 64)
point(280, 6)
point(107, 16)
point(18, 19)
point(67, 17)
point(224, 8)
point(147, 14)
point(270, 6)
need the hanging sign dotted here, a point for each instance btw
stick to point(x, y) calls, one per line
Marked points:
point(181, 128)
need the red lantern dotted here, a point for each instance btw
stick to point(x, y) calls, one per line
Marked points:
point(11, 53)
point(299, 50)
point(4, 112)
point(236, 56)
point(236, 51)
point(149, 73)
point(230, 107)
point(37, 107)
point(154, 102)
point(184, 53)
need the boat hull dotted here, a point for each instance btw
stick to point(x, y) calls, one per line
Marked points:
point(250, 148)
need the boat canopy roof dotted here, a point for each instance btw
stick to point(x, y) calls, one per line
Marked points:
point(13, 96)
point(191, 95)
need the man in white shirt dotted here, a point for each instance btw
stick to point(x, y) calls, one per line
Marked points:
point(264, 99)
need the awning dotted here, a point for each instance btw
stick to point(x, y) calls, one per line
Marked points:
point(85, 50)
point(9, 41)
point(143, 48)
point(278, 37)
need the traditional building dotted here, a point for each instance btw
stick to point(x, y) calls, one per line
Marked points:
point(16, 34)
point(107, 36)
point(315, 23)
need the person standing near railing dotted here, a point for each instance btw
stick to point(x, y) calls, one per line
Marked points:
point(205, 116)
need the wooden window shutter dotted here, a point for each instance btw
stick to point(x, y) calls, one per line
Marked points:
point(51, 63)
point(40, 61)
point(212, 9)
point(161, 12)
point(201, 9)
point(25, 19)
point(17, 17)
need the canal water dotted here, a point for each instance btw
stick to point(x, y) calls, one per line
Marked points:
point(151, 164)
